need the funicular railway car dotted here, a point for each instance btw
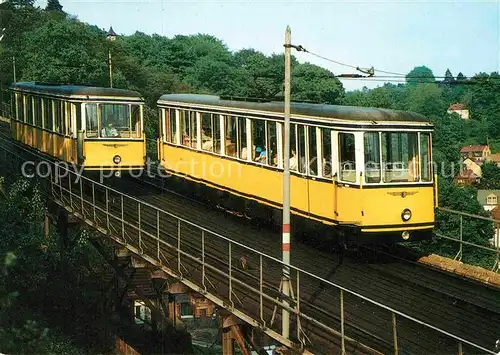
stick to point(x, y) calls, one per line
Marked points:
point(92, 127)
point(365, 173)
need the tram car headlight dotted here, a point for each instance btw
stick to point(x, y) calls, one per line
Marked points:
point(117, 159)
point(406, 215)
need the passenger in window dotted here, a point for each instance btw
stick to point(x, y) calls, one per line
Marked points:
point(293, 161)
point(207, 145)
point(275, 159)
point(413, 169)
point(137, 132)
point(327, 167)
point(244, 153)
point(109, 131)
point(260, 154)
point(313, 166)
point(207, 142)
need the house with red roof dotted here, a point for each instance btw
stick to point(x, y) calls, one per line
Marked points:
point(495, 158)
point(475, 152)
point(459, 109)
point(467, 177)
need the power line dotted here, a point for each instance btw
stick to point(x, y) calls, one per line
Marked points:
point(300, 48)
point(372, 70)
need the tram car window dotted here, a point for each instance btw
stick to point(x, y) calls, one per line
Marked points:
point(365, 173)
point(77, 123)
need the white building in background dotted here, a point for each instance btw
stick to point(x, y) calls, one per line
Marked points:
point(459, 109)
point(489, 199)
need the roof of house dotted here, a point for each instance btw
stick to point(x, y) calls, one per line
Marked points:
point(473, 148)
point(467, 174)
point(457, 107)
point(483, 194)
point(476, 161)
point(495, 213)
point(494, 157)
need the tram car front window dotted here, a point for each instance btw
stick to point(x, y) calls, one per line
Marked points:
point(110, 121)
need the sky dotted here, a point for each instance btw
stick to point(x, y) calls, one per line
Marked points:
point(394, 36)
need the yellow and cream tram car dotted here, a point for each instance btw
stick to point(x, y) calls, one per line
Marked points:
point(365, 172)
point(94, 127)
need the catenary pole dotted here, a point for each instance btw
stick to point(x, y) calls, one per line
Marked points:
point(286, 189)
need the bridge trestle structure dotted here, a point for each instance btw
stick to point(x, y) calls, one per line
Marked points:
point(324, 316)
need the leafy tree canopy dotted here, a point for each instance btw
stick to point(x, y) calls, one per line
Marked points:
point(420, 74)
point(448, 77)
point(490, 177)
point(313, 83)
point(53, 5)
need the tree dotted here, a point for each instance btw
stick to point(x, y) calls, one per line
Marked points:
point(426, 99)
point(53, 5)
point(311, 82)
point(21, 3)
point(65, 51)
point(420, 74)
point(473, 230)
point(461, 77)
point(258, 75)
point(490, 176)
point(448, 77)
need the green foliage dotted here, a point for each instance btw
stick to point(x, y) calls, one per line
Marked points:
point(313, 83)
point(31, 282)
point(473, 230)
point(60, 49)
point(258, 75)
point(53, 5)
point(420, 74)
point(448, 77)
point(65, 51)
point(21, 3)
point(490, 177)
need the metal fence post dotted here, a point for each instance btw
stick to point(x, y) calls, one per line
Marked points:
point(261, 284)
point(158, 234)
point(93, 201)
point(496, 243)
point(107, 209)
point(70, 192)
point(395, 334)
point(461, 237)
point(81, 196)
point(123, 217)
point(51, 183)
point(59, 180)
point(342, 320)
point(179, 247)
point(139, 223)
point(230, 277)
point(203, 260)
point(299, 331)
point(460, 352)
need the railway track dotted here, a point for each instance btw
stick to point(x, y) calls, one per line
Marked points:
point(365, 321)
point(459, 306)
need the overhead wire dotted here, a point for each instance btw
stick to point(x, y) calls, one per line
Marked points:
point(394, 76)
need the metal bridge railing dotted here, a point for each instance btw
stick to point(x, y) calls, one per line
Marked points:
point(243, 280)
point(5, 111)
point(462, 219)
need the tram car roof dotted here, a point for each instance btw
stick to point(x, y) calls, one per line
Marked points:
point(68, 90)
point(350, 113)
